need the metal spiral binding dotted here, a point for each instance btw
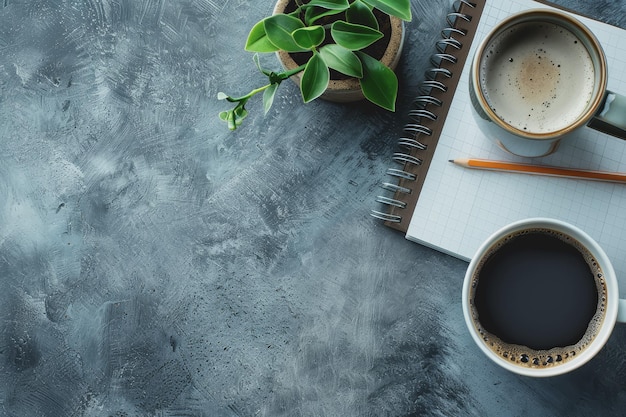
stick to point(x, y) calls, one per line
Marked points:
point(431, 73)
point(448, 33)
point(438, 59)
point(427, 99)
point(398, 173)
point(417, 113)
point(449, 40)
point(443, 44)
point(428, 85)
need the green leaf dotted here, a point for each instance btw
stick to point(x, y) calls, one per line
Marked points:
point(360, 13)
point(258, 40)
point(234, 117)
point(268, 96)
point(257, 61)
point(313, 14)
point(379, 83)
point(315, 78)
point(353, 36)
point(239, 113)
point(398, 8)
point(330, 4)
point(309, 37)
point(341, 59)
point(279, 28)
point(316, 9)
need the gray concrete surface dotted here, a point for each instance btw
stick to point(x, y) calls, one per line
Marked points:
point(155, 264)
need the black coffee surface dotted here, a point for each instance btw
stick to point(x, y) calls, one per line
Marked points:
point(537, 291)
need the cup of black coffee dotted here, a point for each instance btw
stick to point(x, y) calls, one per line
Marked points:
point(539, 76)
point(540, 297)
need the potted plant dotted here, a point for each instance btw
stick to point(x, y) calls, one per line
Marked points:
point(328, 45)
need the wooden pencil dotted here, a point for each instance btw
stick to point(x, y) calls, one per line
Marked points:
point(505, 166)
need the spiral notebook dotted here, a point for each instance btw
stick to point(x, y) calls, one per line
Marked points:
point(454, 209)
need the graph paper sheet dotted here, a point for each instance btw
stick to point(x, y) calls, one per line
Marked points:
point(458, 208)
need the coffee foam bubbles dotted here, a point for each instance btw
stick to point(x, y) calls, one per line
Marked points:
point(531, 358)
point(537, 77)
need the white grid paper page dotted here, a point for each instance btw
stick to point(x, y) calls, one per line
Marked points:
point(459, 208)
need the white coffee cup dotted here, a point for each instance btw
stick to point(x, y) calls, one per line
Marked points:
point(519, 358)
point(538, 76)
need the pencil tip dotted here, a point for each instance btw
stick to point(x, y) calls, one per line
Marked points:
point(451, 160)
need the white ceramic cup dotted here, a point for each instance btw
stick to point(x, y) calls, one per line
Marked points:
point(614, 308)
point(600, 109)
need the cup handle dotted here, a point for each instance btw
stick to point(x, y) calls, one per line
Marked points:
point(611, 115)
point(621, 311)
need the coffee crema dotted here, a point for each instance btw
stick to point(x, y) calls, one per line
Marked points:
point(538, 298)
point(538, 77)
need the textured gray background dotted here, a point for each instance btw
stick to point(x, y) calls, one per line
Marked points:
point(154, 264)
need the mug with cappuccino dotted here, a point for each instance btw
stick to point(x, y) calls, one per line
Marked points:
point(537, 77)
point(540, 297)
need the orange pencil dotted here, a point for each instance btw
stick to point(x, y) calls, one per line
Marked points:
point(540, 170)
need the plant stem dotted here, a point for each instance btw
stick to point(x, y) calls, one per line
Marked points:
point(294, 71)
point(279, 76)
